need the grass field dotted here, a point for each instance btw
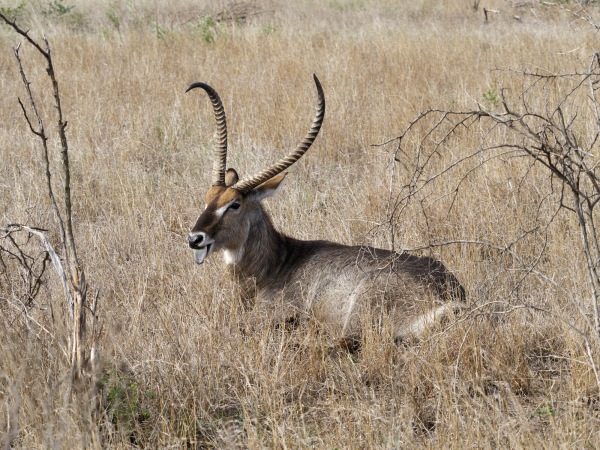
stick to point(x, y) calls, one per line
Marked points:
point(184, 363)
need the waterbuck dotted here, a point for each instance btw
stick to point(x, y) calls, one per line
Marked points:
point(331, 282)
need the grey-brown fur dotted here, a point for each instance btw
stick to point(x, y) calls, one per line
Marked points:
point(338, 285)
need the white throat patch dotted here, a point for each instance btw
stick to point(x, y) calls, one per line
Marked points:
point(233, 256)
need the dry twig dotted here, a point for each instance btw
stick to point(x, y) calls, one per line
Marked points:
point(73, 278)
point(547, 133)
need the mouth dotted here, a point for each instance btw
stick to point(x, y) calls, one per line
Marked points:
point(201, 253)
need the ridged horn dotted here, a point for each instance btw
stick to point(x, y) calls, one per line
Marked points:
point(245, 186)
point(220, 161)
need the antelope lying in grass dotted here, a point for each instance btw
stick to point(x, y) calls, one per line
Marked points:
point(335, 283)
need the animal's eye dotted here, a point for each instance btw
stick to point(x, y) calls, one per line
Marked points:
point(234, 206)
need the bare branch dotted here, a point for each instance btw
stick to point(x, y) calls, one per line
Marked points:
point(74, 279)
point(53, 256)
point(25, 34)
point(40, 132)
point(545, 127)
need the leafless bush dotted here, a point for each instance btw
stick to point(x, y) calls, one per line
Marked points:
point(547, 124)
point(72, 277)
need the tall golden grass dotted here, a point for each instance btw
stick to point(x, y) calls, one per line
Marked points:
point(184, 363)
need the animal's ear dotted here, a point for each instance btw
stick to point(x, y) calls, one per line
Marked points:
point(231, 177)
point(269, 187)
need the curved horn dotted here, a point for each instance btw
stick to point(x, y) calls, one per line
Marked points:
point(221, 147)
point(246, 186)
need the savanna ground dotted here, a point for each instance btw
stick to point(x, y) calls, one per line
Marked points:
point(184, 364)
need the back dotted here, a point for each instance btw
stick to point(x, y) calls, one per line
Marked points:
point(341, 285)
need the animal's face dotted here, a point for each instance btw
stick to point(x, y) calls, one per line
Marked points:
point(232, 205)
point(225, 222)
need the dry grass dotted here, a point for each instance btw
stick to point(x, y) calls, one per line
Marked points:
point(184, 363)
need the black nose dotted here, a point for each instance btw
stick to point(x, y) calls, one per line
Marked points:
point(195, 240)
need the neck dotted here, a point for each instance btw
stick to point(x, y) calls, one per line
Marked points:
point(261, 255)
